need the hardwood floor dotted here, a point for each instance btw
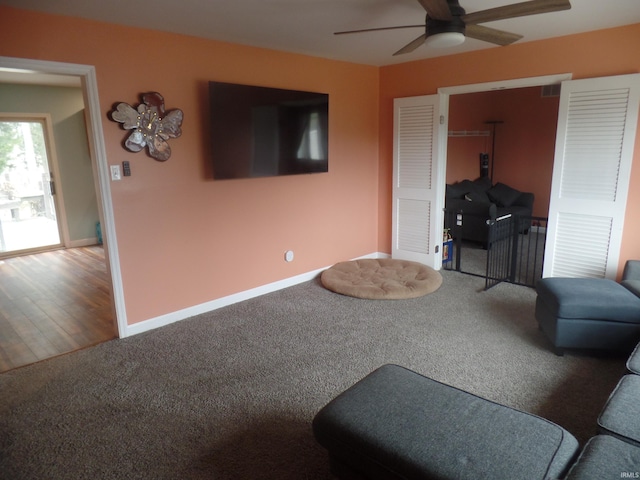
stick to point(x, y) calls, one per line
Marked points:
point(53, 303)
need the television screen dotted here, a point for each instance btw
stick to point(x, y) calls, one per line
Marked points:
point(263, 132)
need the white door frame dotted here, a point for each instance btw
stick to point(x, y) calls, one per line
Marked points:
point(87, 74)
point(487, 87)
point(507, 84)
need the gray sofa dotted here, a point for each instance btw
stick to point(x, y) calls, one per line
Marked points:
point(397, 424)
point(480, 201)
point(615, 451)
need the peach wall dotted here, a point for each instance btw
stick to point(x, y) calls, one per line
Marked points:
point(525, 141)
point(183, 238)
point(594, 54)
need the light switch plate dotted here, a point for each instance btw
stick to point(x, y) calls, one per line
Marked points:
point(115, 172)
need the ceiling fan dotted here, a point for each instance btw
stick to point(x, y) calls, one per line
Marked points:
point(448, 24)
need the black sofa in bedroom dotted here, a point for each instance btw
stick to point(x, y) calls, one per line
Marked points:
point(479, 200)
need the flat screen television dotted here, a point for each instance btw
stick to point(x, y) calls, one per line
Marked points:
point(263, 132)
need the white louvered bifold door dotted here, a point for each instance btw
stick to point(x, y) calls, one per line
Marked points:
point(594, 150)
point(417, 207)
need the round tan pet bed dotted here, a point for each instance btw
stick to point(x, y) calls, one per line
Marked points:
point(381, 279)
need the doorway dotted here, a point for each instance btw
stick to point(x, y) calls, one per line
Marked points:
point(501, 140)
point(490, 130)
point(29, 210)
point(592, 112)
point(34, 71)
point(26, 72)
point(52, 270)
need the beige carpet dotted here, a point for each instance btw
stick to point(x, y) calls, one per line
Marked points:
point(381, 279)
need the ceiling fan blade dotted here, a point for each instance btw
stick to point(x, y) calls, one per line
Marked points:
point(491, 35)
point(437, 9)
point(411, 46)
point(532, 7)
point(378, 29)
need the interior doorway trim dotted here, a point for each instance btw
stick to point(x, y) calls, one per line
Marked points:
point(87, 75)
point(507, 84)
point(446, 92)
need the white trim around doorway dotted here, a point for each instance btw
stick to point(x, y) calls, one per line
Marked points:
point(487, 87)
point(507, 84)
point(87, 75)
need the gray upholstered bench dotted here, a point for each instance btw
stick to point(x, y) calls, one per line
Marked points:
point(397, 424)
point(588, 313)
point(620, 416)
point(606, 457)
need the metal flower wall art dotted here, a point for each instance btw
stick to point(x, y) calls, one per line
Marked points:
point(151, 125)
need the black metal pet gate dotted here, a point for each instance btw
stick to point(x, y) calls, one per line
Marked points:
point(513, 251)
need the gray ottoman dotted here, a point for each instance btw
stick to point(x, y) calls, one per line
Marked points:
point(588, 313)
point(606, 457)
point(620, 416)
point(397, 424)
point(633, 363)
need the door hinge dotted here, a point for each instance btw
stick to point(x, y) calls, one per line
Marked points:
point(52, 187)
point(441, 119)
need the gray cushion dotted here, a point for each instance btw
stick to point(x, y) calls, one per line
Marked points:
point(632, 285)
point(503, 194)
point(396, 423)
point(456, 190)
point(479, 187)
point(589, 298)
point(482, 183)
point(606, 457)
point(477, 196)
point(466, 185)
point(631, 270)
point(631, 276)
point(620, 416)
point(633, 362)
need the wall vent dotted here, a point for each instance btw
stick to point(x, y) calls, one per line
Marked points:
point(551, 90)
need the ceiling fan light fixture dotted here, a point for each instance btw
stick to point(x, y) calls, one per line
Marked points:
point(445, 39)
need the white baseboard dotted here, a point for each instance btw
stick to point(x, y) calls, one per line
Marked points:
point(173, 317)
point(83, 242)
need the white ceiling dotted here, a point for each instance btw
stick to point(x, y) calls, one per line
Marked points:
point(307, 26)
